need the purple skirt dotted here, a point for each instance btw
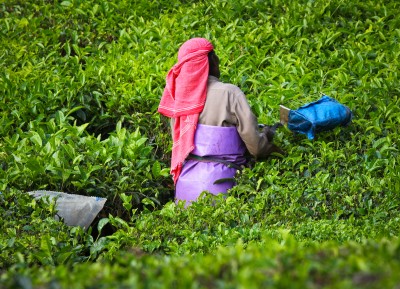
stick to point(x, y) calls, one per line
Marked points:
point(197, 176)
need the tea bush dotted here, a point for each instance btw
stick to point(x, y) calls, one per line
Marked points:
point(279, 263)
point(80, 82)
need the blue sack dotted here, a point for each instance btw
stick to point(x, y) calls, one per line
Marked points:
point(321, 115)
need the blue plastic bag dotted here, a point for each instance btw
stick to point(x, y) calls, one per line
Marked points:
point(321, 115)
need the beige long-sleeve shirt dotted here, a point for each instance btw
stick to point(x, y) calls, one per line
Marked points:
point(226, 105)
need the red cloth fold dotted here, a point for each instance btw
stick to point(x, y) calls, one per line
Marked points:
point(184, 97)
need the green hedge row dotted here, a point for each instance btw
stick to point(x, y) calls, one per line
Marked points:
point(277, 263)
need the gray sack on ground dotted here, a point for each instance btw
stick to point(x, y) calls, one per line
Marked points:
point(76, 210)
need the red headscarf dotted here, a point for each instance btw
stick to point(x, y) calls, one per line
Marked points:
point(184, 97)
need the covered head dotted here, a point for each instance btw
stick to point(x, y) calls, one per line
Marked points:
point(186, 87)
point(194, 45)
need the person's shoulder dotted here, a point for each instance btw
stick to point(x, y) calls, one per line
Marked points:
point(232, 87)
point(218, 84)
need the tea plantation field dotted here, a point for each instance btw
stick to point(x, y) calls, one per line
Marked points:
point(80, 83)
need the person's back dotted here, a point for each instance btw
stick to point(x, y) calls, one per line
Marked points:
point(226, 105)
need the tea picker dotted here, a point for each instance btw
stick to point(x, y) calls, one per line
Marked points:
point(213, 126)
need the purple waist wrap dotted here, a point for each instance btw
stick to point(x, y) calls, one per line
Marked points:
point(198, 176)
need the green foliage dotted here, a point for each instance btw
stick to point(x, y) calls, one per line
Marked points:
point(278, 263)
point(65, 157)
point(80, 82)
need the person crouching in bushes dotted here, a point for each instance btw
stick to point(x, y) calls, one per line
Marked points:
point(213, 126)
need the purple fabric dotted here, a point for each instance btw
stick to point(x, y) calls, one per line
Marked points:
point(198, 176)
